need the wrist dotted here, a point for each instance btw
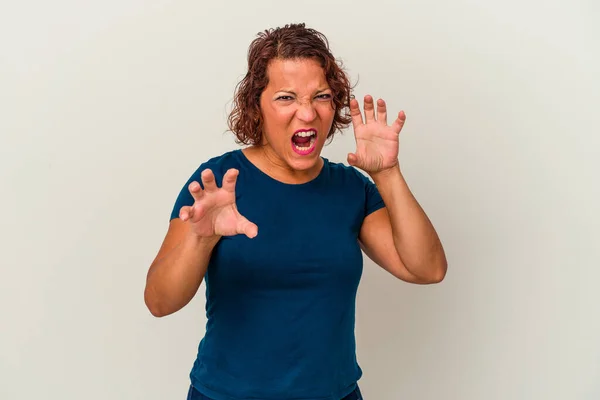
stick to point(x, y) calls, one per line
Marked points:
point(386, 173)
point(202, 241)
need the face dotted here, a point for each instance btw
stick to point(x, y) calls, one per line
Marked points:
point(298, 110)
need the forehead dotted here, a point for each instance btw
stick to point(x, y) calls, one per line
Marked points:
point(295, 74)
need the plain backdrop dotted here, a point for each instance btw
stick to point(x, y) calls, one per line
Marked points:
point(107, 107)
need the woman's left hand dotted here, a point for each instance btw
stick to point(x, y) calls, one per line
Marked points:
point(376, 142)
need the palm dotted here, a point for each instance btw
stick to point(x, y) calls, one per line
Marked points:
point(214, 212)
point(222, 217)
point(376, 142)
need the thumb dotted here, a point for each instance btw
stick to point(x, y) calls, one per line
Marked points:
point(246, 227)
point(352, 159)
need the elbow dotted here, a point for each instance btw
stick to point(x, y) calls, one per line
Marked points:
point(154, 304)
point(435, 273)
point(439, 271)
point(439, 275)
point(429, 269)
point(157, 311)
point(438, 267)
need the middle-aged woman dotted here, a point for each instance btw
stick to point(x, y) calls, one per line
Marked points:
point(276, 230)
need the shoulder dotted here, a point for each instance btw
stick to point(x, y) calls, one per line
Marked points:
point(353, 188)
point(346, 174)
point(218, 165)
point(230, 159)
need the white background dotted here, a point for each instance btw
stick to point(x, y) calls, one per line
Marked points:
point(106, 108)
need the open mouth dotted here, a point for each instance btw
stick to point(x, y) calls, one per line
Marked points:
point(303, 141)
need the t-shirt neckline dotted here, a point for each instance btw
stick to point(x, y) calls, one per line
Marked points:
point(251, 165)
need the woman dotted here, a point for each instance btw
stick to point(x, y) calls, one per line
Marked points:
point(276, 230)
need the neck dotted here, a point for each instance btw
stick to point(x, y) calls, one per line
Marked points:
point(271, 164)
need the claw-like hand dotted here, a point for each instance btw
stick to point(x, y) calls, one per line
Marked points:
point(214, 212)
point(376, 142)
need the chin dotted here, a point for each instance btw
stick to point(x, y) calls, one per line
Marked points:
point(304, 158)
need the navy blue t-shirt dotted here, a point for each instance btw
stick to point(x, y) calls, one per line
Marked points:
point(281, 307)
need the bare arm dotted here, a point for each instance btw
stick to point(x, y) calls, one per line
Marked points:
point(400, 238)
point(415, 240)
point(178, 269)
point(377, 241)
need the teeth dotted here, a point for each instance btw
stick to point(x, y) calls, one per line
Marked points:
point(312, 141)
point(306, 134)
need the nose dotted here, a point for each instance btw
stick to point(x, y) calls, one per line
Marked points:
point(306, 112)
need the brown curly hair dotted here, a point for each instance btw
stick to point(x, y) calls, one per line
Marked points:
point(293, 41)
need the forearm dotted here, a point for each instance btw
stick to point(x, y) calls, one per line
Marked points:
point(173, 280)
point(415, 238)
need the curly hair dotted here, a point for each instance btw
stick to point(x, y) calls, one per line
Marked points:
point(293, 41)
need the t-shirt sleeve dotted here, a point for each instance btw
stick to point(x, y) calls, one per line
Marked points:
point(373, 199)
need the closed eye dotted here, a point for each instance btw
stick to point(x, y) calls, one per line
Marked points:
point(325, 96)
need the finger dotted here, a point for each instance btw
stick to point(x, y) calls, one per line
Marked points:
point(198, 211)
point(208, 180)
point(352, 159)
point(229, 179)
point(399, 122)
point(355, 113)
point(195, 190)
point(369, 109)
point(185, 213)
point(246, 227)
point(381, 111)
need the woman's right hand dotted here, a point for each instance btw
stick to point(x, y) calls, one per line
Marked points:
point(214, 212)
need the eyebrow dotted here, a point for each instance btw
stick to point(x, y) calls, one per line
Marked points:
point(292, 92)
